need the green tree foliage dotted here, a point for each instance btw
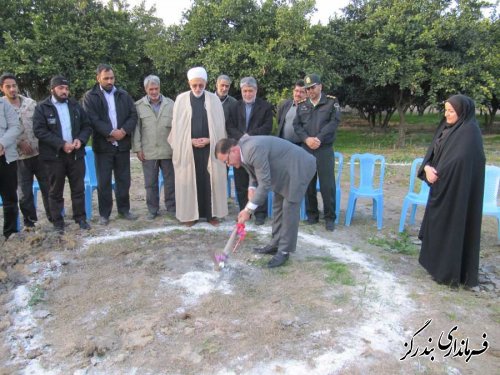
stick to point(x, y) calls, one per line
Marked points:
point(378, 56)
point(271, 40)
point(401, 53)
point(70, 37)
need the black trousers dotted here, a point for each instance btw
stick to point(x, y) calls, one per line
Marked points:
point(57, 171)
point(325, 166)
point(107, 164)
point(8, 192)
point(26, 170)
point(241, 180)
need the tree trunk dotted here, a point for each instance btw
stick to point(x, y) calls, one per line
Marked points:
point(402, 126)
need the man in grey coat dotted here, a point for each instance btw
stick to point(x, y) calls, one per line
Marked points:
point(9, 131)
point(278, 165)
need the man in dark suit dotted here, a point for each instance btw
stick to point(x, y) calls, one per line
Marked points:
point(63, 128)
point(113, 118)
point(278, 165)
point(252, 116)
point(287, 110)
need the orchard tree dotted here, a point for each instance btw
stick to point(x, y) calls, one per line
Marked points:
point(42, 38)
point(271, 40)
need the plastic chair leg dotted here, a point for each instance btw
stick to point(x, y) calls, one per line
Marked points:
point(270, 196)
point(350, 209)
point(402, 219)
point(88, 202)
point(303, 214)
point(380, 212)
point(337, 205)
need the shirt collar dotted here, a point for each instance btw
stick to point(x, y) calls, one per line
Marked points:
point(56, 102)
point(158, 103)
point(105, 92)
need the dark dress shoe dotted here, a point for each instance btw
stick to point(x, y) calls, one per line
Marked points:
point(59, 227)
point(312, 220)
point(260, 220)
point(190, 223)
point(103, 220)
point(214, 221)
point(330, 226)
point(29, 224)
point(278, 260)
point(128, 216)
point(268, 249)
point(84, 225)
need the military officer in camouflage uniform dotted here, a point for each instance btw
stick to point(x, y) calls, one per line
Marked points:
point(316, 124)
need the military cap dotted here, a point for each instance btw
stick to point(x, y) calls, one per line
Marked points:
point(311, 80)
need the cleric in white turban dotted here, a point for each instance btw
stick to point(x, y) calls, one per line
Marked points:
point(200, 179)
point(197, 72)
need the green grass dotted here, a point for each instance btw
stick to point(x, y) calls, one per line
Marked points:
point(37, 295)
point(401, 244)
point(336, 273)
point(355, 136)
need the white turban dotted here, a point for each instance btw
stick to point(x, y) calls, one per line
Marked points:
point(198, 72)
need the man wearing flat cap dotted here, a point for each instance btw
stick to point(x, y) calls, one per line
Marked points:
point(316, 123)
point(249, 116)
point(63, 128)
point(200, 180)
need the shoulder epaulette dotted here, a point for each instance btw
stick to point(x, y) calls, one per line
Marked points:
point(331, 97)
point(302, 101)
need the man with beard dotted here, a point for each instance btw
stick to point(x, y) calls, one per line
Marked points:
point(113, 118)
point(222, 86)
point(28, 163)
point(62, 128)
point(200, 180)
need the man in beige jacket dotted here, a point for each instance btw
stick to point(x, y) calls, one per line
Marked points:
point(154, 113)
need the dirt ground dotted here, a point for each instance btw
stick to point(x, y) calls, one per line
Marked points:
point(143, 298)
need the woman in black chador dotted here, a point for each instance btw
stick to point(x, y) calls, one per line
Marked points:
point(454, 169)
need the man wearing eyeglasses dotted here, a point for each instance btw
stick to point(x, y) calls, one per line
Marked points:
point(249, 116)
point(197, 125)
point(316, 124)
point(273, 164)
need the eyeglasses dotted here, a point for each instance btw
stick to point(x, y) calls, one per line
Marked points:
point(311, 87)
point(198, 85)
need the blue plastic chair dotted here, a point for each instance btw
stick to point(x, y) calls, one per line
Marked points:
point(161, 180)
point(36, 188)
point(90, 180)
point(363, 183)
point(230, 180)
point(414, 197)
point(339, 161)
point(491, 185)
point(270, 196)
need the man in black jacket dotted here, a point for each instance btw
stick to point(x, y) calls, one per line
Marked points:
point(62, 128)
point(113, 118)
point(316, 124)
point(252, 116)
point(287, 110)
